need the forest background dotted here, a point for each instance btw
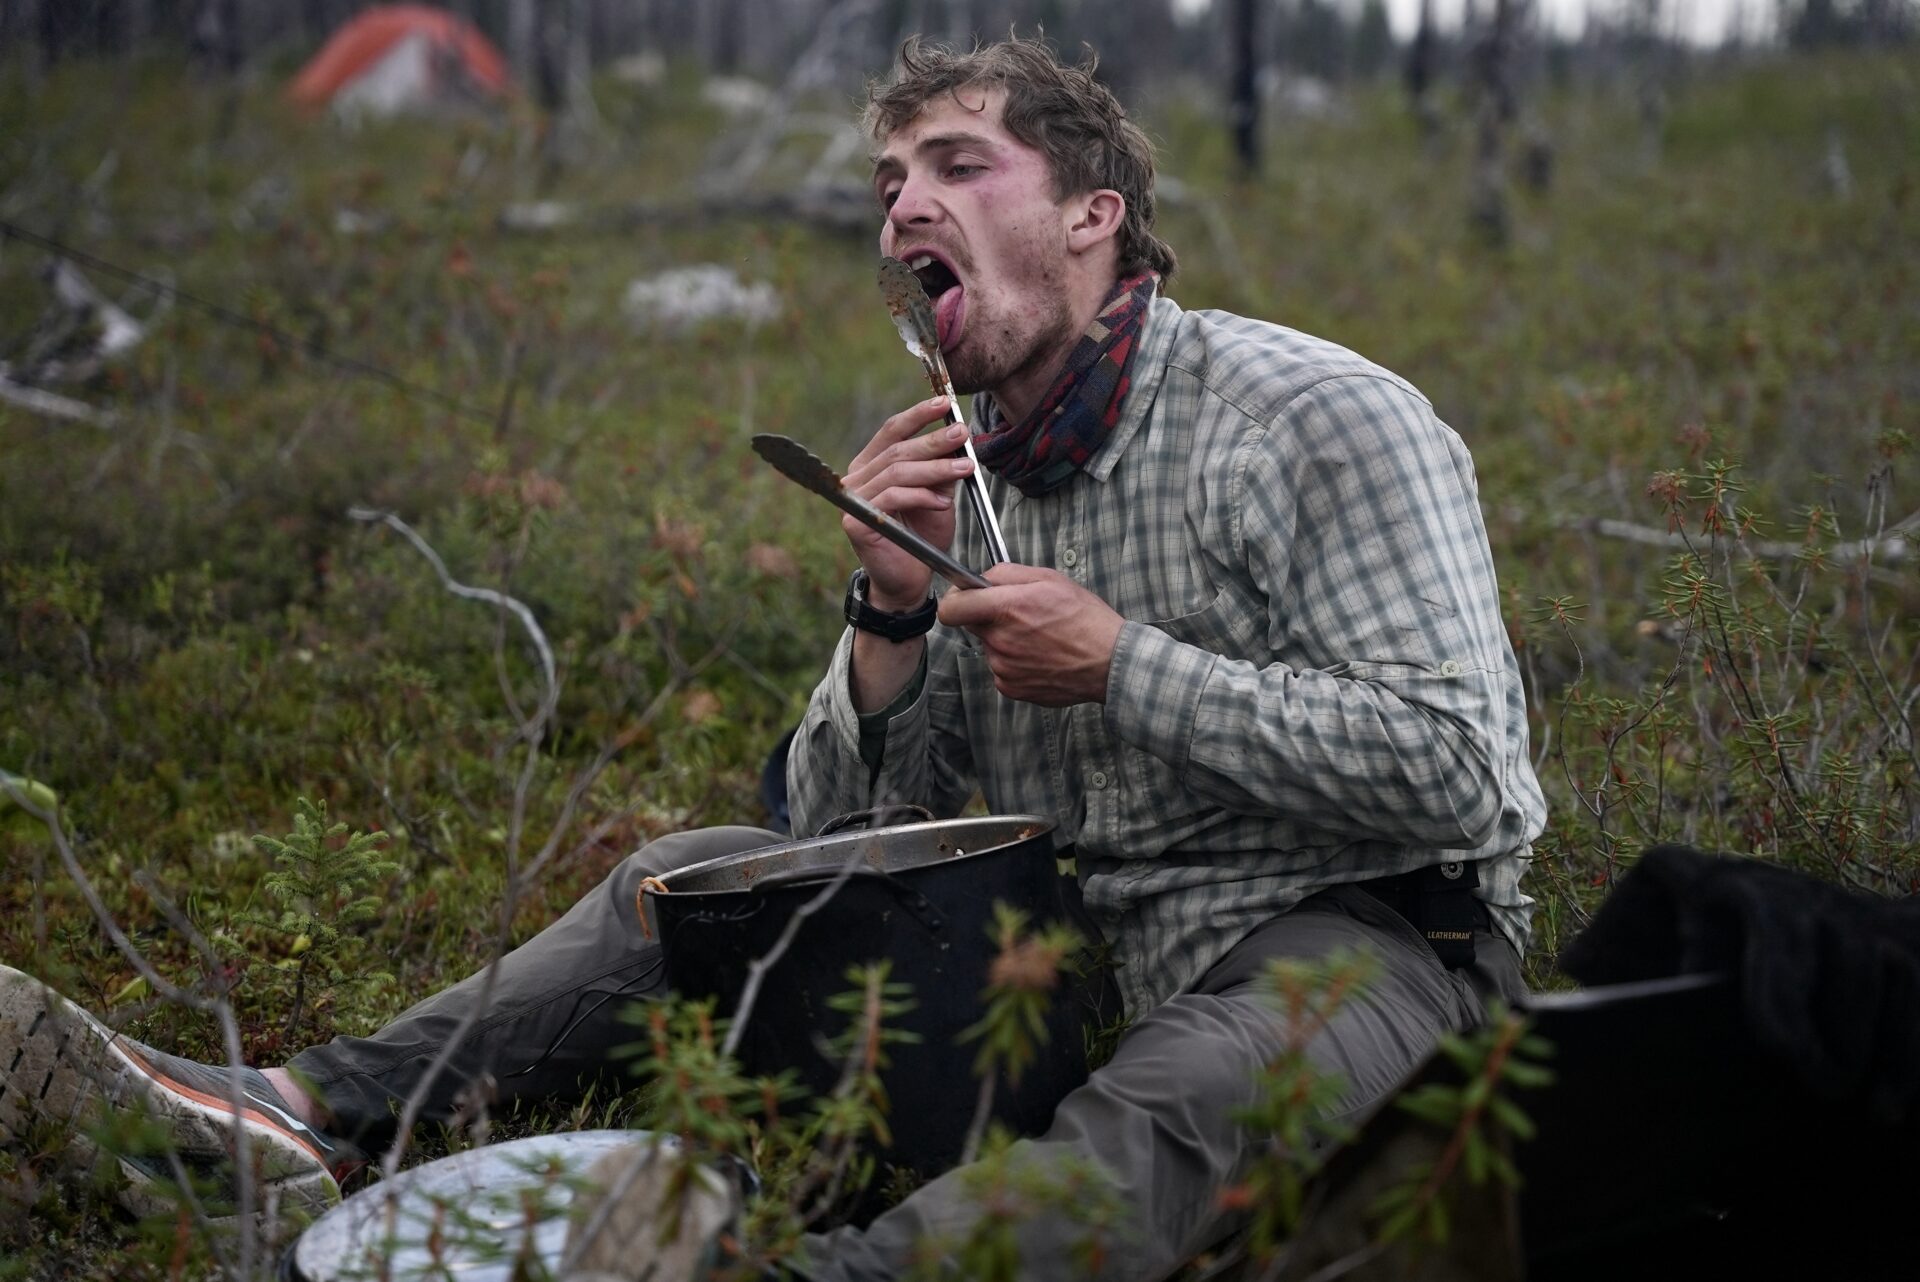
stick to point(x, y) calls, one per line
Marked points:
point(1665, 293)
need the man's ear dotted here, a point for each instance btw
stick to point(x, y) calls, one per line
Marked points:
point(1096, 220)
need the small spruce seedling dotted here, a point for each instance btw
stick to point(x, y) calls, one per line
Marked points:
point(321, 886)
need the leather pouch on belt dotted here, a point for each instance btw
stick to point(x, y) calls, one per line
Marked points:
point(1448, 912)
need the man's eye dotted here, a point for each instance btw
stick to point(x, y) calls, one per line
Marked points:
point(961, 171)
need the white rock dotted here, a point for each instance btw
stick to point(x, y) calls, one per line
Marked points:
point(647, 70)
point(736, 95)
point(676, 300)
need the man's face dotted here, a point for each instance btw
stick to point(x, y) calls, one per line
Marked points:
point(971, 209)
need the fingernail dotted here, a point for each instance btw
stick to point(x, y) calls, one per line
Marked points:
point(956, 433)
point(962, 465)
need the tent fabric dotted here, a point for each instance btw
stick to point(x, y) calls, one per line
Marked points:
point(366, 40)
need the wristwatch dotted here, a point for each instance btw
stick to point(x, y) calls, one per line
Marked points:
point(894, 627)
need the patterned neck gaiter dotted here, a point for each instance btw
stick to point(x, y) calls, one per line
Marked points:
point(1071, 421)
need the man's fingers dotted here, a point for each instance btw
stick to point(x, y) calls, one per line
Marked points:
point(932, 474)
point(1007, 573)
point(971, 607)
point(903, 426)
point(932, 455)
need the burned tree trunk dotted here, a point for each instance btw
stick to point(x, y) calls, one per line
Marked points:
point(1243, 108)
point(1423, 57)
point(1493, 66)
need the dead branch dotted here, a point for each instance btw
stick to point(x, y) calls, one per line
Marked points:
point(447, 581)
point(47, 404)
point(1891, 547)
point(841, 208)
point(816, 67)
point(757, 971)
point(216, 1005)
point(532, 732)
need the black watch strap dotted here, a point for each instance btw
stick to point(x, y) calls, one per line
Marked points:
point(894, 627)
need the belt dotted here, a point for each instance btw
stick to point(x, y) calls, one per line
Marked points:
point(1440, 903)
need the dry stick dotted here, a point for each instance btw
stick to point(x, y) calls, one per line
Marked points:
point(757, 970)
point(1614, 740)
point(531, 733)
point(1341, 1267)
point(1757, 711)
point(605, 757)
point(447, 581)
point(977, 1126)
point(226, 315)
point(1893, 546)
point(217, 1006)
point(862, 1052)
point(208, 956)
point(53, 405)
point(680, 673)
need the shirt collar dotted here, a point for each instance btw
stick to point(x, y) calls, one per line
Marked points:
point(1149, 366)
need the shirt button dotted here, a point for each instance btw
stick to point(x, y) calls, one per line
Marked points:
point(1098, 779)
point(1070, 558)
point(1450, 668)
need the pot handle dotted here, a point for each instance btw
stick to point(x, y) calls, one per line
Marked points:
point(874, 817)
point(912, 900)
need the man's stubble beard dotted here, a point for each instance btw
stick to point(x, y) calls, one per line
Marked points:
point(975, 367)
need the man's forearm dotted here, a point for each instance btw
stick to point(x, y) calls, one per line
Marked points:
point(882, 668)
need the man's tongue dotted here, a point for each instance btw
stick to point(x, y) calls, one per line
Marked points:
point(949, 313)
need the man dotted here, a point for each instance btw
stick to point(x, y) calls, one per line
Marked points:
point(1249, 655)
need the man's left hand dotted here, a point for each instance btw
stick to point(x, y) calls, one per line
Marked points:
point(1047, 639)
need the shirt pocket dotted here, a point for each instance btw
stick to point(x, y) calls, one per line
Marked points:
point(1226, 623)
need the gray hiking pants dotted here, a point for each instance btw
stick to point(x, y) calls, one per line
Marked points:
point(1158, 1118)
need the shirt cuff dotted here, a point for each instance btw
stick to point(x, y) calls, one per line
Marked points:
point(1154, 688)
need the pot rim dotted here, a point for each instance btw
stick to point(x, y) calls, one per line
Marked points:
point(1037, 825)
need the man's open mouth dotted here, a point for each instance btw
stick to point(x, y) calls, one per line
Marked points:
point(944, 290)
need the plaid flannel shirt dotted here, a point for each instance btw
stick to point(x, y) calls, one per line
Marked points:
point(1314, 684)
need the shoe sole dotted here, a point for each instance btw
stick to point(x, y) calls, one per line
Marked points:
point(60, 1065)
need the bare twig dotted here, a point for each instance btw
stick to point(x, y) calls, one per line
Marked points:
point(1893, 546)
point(217, 1006)
point(500, 599)
point(532, 733)
point(53, 405)
point(757, 971)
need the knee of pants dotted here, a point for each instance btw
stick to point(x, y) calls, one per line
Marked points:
point(678, 850)
point(669, 854)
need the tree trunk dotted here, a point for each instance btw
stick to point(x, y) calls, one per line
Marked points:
point(53, 30)
point(1243, 109)
point(1422, 70)
point(1497, 106)
point(550, 57)
point(723, 36)
point(523, 31)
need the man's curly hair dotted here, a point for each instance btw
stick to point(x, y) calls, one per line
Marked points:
point(1061, 111)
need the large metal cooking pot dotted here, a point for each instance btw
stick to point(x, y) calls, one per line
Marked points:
point(920, 895)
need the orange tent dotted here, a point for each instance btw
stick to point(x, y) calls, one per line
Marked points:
point(399, 56)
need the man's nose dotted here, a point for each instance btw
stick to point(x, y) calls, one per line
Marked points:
point(913, 205)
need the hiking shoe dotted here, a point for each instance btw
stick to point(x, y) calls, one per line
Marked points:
point(60, 1065)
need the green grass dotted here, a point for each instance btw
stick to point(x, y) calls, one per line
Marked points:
point(193, 634)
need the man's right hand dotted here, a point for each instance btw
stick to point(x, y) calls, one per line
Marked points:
point(912, 478)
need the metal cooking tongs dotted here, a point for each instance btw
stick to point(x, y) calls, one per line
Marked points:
point(913, 317)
